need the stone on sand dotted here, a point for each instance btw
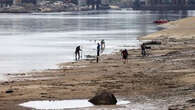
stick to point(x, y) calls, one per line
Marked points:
point(103, 98)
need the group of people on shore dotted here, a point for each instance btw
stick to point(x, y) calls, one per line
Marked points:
point(101, 47)
point(124, 53)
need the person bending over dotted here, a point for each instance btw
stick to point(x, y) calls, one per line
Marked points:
point(124, 54)
point(77, 52)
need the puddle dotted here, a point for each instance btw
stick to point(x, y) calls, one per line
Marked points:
point(63, 104)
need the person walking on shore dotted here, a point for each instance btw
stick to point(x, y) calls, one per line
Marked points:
point(143, 49)
point(102, 44)
point(98, 52)
point(77, 52)
point(124, 54)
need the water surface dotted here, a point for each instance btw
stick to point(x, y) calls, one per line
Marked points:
point(63, 104)
point(40, 41)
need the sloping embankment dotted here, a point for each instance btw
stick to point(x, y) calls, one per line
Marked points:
point(184, 28)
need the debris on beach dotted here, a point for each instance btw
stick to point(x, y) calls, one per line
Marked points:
point(9, 91)
point(152, 43)
point(103, 98)
point(89, 56)
point(176, 107)
point(191, 101)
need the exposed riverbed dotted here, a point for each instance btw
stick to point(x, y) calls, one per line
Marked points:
point(164, 78)
point(37, 41)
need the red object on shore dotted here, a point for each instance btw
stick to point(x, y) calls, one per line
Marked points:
point(161, 21)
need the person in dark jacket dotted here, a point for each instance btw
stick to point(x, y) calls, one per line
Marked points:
point(98, 52)
point(77, 52)
point(143, 50)
point(124, 54)
point(102, 45)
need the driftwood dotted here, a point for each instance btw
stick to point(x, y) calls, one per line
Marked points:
point(9, 91)
point(191, 101)
point(147, 47)
point(90, 56)
point(152, 43)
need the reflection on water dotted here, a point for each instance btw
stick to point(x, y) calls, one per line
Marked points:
point(57, 104)
point(40, 41)
point(63, 104)
point(137, 103)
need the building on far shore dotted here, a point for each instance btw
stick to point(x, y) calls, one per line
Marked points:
point(19, 2)
point(105, 2)
point(8, 3)
point(164, 4)
point(82, 2)
point(94, 4)
point(5, 3)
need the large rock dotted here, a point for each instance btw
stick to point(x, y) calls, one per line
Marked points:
point(103, 98)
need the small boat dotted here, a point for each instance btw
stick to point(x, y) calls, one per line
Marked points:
point(161, 21)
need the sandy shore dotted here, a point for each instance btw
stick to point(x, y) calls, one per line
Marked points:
point(168, 74)
point(181, 29)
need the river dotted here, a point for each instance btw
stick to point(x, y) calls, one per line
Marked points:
point(38, 41)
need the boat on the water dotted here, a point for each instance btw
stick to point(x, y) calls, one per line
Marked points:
point(161, 21)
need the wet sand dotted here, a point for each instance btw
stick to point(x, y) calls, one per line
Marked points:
point(167, 73)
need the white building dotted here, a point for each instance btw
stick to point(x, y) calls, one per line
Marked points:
point(17, 2)
point(82, 2)
point(105, 2)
